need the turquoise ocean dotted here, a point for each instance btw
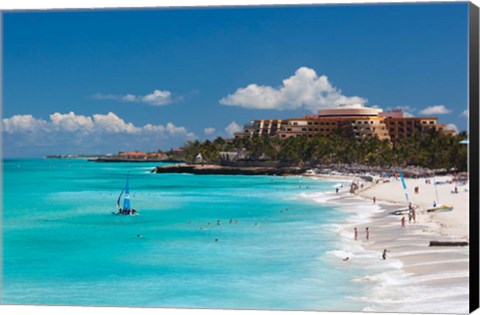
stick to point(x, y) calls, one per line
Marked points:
point(63, 246)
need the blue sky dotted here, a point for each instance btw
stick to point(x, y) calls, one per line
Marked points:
point(108, 80)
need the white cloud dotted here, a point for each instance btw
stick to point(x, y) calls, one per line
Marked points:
point(232, 128)
point(156, 98)
point(435, 110)
point(23, 123)
point(209, 131)
point(111, 123)
point(305, 89)
point(174, 130)
point(72, 133)
point(129, 98)
point(95, 124)
point(464, 113)
point(71, 122)
point(452, 127)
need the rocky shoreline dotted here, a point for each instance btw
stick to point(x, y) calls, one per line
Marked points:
point(227, 170)
point(330, 169)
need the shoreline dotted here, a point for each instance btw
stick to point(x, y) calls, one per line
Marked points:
point(209, 169)
point(415, 277)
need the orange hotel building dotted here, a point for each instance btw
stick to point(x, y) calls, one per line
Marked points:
point(362, 122)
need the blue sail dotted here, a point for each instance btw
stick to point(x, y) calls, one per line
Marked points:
point(126, 200)
point(118, 200)
point(404, 186)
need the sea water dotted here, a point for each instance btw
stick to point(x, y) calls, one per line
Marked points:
point(208, 241)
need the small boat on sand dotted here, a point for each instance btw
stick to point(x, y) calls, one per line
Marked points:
point(400, 211)
point(442, 208)
point(126, 209)
point(403, 211)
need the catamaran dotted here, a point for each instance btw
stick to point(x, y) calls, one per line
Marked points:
point(409, 208)
point(126, 209)
point(442, 208)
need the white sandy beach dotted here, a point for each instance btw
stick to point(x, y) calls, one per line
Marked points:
point(454, 224)
point(415, 277)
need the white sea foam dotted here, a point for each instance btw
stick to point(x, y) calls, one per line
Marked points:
point(320, 197)
point(390, 288)
point(404, 292)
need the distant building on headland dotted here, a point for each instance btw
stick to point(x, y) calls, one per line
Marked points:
point(136, 155)
point(361, 121)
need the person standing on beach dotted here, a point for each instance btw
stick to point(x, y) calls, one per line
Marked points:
point(374, 199)
point(384, 255)
point(403, 221)
point(355, 233)
point(367, 233)
point(414, 216)
point(336, 190)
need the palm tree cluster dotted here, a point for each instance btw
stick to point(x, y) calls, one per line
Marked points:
point(430, 149)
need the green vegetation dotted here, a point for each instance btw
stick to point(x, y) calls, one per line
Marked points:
point(428, 149)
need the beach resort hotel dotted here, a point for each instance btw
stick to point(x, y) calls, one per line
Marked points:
point(361, 121)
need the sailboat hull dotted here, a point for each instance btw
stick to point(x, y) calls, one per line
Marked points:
point(126, 210)
point(440, 209)
point(130, 214)
point(400, 211)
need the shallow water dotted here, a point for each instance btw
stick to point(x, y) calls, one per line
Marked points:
point(62, 245)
